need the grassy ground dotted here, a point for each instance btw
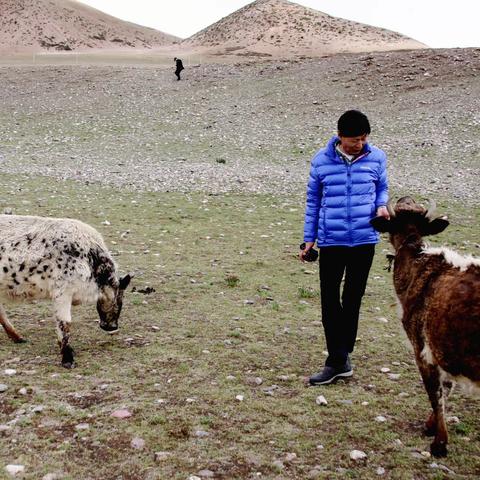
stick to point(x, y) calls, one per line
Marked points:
point(232, 305)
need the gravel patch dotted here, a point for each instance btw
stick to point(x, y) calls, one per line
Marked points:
point(247, 127)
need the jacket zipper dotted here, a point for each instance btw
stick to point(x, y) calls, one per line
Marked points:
point(349, 191)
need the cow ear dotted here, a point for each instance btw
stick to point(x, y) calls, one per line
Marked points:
point(381, 224)
point(436, 226)
point(124, 281)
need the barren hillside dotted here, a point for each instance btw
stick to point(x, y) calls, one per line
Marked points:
point(36, 25)
point(279, 27)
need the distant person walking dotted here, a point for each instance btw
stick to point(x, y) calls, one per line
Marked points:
point(347, 188)
point(180, 67)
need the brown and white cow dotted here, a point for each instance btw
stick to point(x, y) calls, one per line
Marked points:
point(439, 292)
point(60, 259)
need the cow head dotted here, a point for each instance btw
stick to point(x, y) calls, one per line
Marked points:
point(409, 222)
point(110, 301)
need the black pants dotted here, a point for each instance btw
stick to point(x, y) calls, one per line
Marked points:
point(340, 318)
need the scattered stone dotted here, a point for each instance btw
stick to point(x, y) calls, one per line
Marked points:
point(82, 426)
point(206, 473)
point(3, 387)
point(290, 456)
point(4, 429)
point(14, 470)
point(393, 376)
point(384, 369)
point(380, 419)
point(52, 476)
point(380, 471)
point(321, 400)
point(278, 465)
point(161, 456)
point(453, 420)
point(122, 413)
point(137, 443)
point(10, 371)
point(357, 455)
point(239, 398)
point(202, 434)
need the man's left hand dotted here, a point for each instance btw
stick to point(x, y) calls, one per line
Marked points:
point(383, 212)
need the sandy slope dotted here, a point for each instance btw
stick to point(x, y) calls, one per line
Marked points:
point(37, 25)
point(279, 27)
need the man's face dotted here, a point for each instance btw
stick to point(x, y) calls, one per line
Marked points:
point(353, 145)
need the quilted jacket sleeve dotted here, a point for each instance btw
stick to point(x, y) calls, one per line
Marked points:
point(382, 184)
point(314, 196)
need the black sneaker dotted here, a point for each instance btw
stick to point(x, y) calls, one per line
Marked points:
point(331, 374)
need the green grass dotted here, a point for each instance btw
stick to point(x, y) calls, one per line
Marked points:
point(233, 305)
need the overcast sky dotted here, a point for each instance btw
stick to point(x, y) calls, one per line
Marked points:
point(437, 23)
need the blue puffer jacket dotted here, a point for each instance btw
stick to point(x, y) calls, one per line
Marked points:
point(342, 197)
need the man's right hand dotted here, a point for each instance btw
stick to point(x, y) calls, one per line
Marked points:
point(308, 246)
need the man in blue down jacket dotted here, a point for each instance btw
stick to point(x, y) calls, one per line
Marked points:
point(346, 189)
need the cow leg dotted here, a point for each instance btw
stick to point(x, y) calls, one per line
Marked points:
point(435, 424)
point(431, 423)
point(9, 328)
point(63, 319)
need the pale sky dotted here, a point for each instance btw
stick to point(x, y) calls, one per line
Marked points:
point(437, 23)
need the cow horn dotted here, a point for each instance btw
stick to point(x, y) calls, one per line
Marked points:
point(431, 209)
point(390, 209)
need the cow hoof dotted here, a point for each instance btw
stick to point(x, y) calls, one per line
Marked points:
point(19, 340)
point(68, 365)
point(438, 449)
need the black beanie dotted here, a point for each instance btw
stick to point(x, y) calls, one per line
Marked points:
point(353, 123)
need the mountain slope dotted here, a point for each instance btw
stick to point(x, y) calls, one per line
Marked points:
point(281, 27)
point(36, 25)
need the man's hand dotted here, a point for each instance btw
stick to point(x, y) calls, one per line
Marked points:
point(383, 212)
point(308, 246)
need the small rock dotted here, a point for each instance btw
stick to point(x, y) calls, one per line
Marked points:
point(380, 471)
point(82, 426)
point(4, 429)
point(380, 419)
point(3, 387)
point(453, 420)
point(10, 371)
point(239, 398)
point(393, 376)
point(384, 369)
point(51, 476)
point(357, 455)
point(206, 473)
point(161, 456)
point(321, 400)
point(137, 443)
point(278, 464)
point(122, 413)
point(290, 457)
point(194, 477)
point(201, 434)
point(13, 470)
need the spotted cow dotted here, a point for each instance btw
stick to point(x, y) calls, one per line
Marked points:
point(63, 260)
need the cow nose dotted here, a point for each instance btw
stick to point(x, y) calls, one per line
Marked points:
point(108, 327)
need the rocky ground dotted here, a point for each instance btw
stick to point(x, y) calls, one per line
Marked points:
point(244, 127)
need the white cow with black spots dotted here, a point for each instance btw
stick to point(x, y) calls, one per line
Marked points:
point(60, 259)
